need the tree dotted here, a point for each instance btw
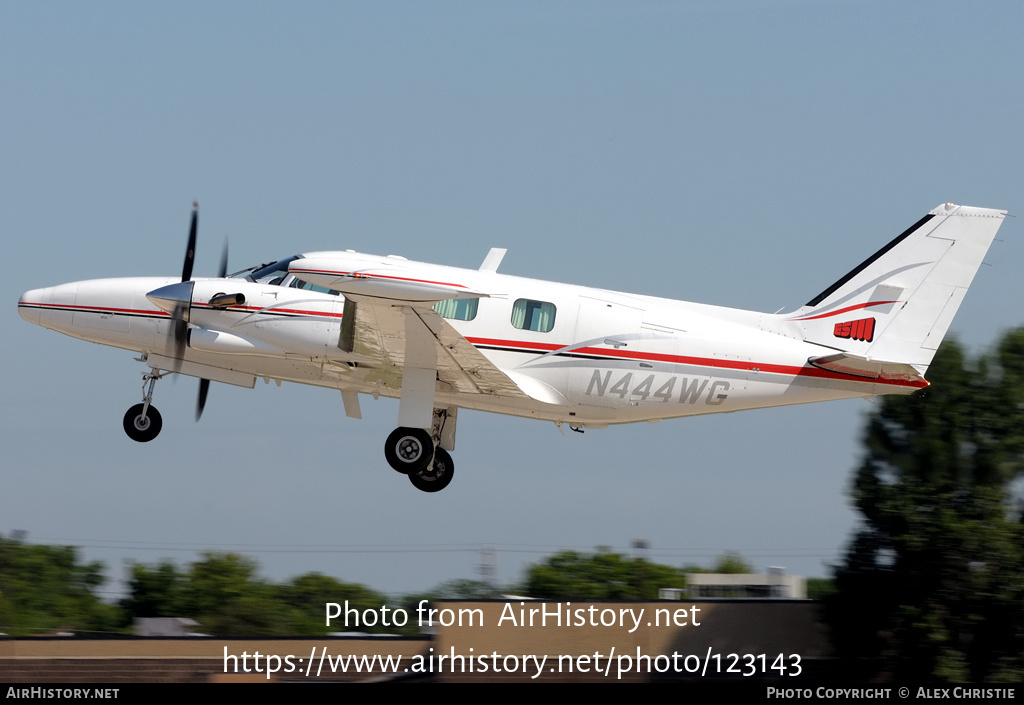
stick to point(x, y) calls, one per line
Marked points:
point(932, 586)
point(221, 591)
point(599, 576)
point(729, 562)
point(224, 594)
point(154, 592)
point(45, 589)
point(306, 596)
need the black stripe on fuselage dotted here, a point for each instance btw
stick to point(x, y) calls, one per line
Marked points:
point(161, 316)
point(537, 353)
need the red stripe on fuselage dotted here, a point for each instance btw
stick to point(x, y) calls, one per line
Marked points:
point(358, 275)
point(790, 370)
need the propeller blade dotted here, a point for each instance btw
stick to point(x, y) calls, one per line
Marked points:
point(223, 271)
point(190, 252)
point(204, 388)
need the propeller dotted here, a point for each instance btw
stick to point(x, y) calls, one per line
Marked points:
point(223, 271)
point(180, 313)
point(183, 301)
point(204, 388)
point(176, 299)
point(190, 252)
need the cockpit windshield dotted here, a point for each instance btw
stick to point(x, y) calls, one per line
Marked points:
point(269, 273)
point(277, 274)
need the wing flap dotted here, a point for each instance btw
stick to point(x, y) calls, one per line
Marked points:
point(380, 333)
point(461, 365)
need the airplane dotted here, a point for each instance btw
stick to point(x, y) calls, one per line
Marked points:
point(442, 338)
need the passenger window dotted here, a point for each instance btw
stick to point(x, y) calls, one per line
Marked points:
point(533, 315)
point(457, 309)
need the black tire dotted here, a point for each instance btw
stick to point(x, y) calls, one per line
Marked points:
point(142, 429)
point(409, 449)
point(437, 476)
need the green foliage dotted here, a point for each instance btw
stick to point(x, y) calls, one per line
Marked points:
point(154, 592)
point(599, 576)
point(932, 586)
point(45, 589)
point(223, 592)
point(820, 588)
point(306, 596)
point(732, 563)
point(463, 589)
point(728, 562)
point(217, 581)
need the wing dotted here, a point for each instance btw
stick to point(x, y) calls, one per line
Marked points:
point(389, 321)
point(406, 336)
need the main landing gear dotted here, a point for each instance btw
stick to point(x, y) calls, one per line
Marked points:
point(409, 449)
point(416, 452)
point(437, 476)
point(142, 422)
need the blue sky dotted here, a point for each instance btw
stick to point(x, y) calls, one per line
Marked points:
point(744, 154)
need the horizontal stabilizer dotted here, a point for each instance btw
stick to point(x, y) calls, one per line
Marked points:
point(848, 364)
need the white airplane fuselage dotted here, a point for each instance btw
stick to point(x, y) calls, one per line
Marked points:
point(610, 357)
point(442, 338)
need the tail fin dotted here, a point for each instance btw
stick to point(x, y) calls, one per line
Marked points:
point(898, 304)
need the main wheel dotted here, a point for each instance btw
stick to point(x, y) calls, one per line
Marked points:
point(409, 449)
point(142, 428)
point(437, 476)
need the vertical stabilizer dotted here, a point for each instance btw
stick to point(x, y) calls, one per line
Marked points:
point(897, 305)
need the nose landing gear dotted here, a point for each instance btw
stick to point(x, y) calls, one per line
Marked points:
point(142, 422)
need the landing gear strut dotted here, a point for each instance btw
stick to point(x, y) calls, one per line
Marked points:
point(142, 422)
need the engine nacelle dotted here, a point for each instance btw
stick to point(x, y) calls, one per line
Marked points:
point(220, 342)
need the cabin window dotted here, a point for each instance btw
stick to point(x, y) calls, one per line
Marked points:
point(457, 309)
point(533, 315)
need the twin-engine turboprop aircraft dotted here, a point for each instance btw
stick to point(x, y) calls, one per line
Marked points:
point(442, 338)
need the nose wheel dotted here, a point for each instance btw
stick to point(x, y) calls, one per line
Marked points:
point(142, 422)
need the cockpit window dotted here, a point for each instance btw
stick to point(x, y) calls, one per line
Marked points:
point(297, 283)
point(270, 273)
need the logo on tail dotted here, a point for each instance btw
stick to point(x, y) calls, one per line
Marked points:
point(861, 329)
